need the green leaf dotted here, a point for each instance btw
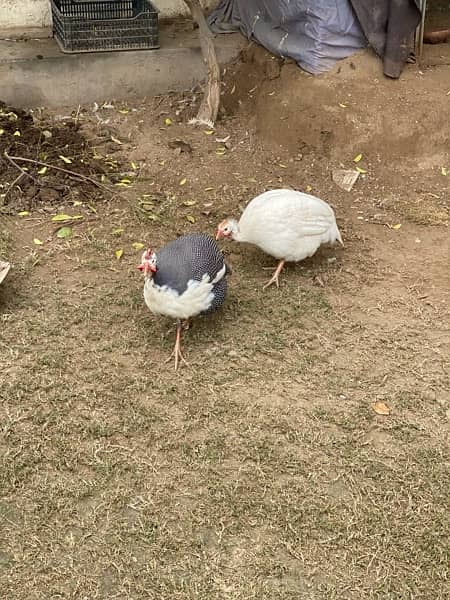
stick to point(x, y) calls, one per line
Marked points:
point(64, 232)
point(119, 253)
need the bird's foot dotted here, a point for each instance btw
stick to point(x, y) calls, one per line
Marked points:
point(177, 354)
point(274, 278)
point(181, 325)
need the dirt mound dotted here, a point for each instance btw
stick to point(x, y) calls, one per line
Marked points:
point(353, 108)
point(29, 142)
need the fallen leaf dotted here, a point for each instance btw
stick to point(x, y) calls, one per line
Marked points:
point(138, 245)
point(183, 181)
point(42, 171)
point(134, 166)
point(47, 134)
point(210, 189)
point(233, 89)
point(308, 188)
point(38, 242)
point(444, 171)
point(189, 203)
point(396, 226)
point(282, 166)
point(168, 121)
point(2, 131)
point(117, 231)
point(17, 133)
point(357, 158)
point(65, 159)
point(208, 131)
point(123, 111)
point(116, 141)
point(361, 170)
point(119, 253)
point(190, 218)
point(23, 213)
point(64, 232)
point(63, 217)
point(77, 203)
point(223, 140)
point(342, 105)
point(381, 408)
point(221, 151)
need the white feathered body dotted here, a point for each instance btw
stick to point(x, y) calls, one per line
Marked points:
point(198, 297)
point(288, 225)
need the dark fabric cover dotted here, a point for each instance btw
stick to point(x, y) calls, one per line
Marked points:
point(389, 26)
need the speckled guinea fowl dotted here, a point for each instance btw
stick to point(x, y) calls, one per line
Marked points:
point(185, 278)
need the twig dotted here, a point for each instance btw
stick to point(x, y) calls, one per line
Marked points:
point(49, 166)
point(13, 184)
point(22, 171)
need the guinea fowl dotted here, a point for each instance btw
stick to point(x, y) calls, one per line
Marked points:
point(286, 224)
point(187, 277)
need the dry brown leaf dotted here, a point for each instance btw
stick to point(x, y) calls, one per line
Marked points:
point(381, 408)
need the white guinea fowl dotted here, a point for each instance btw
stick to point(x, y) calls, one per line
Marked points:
point(187, 277)
point(286, 224)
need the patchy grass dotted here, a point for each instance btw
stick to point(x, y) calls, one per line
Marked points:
point(260, 470)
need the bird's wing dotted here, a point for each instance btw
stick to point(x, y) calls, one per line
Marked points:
point(197, 298)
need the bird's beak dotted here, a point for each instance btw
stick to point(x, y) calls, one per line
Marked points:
point(218, 235)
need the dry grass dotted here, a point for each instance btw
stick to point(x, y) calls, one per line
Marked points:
point(258, 471)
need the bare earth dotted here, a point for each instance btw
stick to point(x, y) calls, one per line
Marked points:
point(260, 470)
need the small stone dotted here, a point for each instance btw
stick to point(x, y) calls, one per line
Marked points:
point(429, 395)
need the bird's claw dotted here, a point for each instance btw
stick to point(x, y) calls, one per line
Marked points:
point(178, 356)
point(274, 279)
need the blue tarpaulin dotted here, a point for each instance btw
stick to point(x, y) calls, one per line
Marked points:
point(314, 33)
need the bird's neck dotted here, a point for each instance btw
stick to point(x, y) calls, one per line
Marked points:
point(236, 235)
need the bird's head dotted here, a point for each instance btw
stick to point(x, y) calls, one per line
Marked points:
point(148, 263)
point(227, 229)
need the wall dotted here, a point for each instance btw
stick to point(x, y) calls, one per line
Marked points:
point(36, 13)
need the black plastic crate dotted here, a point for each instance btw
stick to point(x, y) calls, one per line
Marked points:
point(105, 25)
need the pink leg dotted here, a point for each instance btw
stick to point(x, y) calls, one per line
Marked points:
point(274, 278)
point(177, 350)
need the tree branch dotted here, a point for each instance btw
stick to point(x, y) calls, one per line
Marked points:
point(209, 108)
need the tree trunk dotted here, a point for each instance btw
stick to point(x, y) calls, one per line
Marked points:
point(209, 108)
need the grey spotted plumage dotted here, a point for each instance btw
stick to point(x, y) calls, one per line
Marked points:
point(185, 265)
